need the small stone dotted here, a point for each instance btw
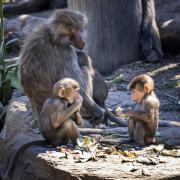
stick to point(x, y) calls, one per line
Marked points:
point(134, 169)
point(145, 172)
point(36, 131)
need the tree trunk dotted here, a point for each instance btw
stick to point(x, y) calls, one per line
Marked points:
point(112, 31)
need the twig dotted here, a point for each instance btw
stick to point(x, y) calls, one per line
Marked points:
point(173, 97)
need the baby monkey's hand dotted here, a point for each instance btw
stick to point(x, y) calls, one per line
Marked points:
point(118, 111)
point(121, 112)
point(79, 101)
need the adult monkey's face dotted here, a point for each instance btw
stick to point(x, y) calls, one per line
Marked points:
point(77, 38)
point(67, 27)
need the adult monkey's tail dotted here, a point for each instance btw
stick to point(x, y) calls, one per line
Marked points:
point(113, 118)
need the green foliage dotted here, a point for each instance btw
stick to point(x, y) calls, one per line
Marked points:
point(7, 71)
point(7, 1)
point(168, 85)
point(118, 80)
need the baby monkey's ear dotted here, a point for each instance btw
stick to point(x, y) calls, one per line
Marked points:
point(147, 88)
point(62, 92)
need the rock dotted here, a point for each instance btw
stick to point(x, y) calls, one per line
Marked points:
point(40, 163)
point(18, 28)
point(145, 172)
point(20, 127)
point(168, 19)
point(49, 167)
point(23, 24)
point(118, 98)
point(28, 6)
point(170, 135)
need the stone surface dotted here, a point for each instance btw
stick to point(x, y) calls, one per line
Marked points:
point(20, 127)
point(36, 163)
point(119, 98)
point(22, 24)
point(168, 19)
point(49, 167)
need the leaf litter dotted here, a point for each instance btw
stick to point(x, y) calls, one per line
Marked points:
point(88, 149)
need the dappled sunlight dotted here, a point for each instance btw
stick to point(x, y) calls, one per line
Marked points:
point(176, 77)
point(167, 23)
point(162, 69)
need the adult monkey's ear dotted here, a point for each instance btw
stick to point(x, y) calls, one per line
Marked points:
point(147, 88)
point(62, 92)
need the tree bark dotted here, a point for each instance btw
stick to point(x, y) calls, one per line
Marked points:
point(112, 31)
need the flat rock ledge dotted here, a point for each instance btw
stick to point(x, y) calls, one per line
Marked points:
point(35, 163)
point(48, 167)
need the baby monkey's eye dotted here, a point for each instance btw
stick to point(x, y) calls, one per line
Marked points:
point(77, 90)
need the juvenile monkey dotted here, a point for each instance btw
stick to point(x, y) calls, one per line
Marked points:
point(143, 121)
point(60, 114)
point(59, 118)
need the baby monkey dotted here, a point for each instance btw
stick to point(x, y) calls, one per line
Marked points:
point(60, 114)
point(143, 121)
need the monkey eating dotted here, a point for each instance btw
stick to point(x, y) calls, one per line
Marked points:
point(60, 114)
point(59, 119)
point(143, 121)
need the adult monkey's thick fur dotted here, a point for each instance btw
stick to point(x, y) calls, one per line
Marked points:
point(48, 56)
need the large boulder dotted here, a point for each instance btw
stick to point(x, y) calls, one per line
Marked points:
point(18, 28)
point(23, 24)
point(20, 127)
point(168, 19)
point(48, 163)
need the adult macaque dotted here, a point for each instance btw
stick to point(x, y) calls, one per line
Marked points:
point(143, 121)
point(60, 114)
point(49, 55)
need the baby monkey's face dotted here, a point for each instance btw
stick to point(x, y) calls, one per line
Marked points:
point(137, 95)
point(72, 95)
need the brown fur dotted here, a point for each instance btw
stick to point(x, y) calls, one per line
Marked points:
point(142, 80)
point(58, 118)
point(143, 121)
point(48, 56)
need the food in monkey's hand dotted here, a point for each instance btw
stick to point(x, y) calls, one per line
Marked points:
point(118, 109)
point(119, 112)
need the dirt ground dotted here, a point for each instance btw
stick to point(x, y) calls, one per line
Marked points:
point(166, 75)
